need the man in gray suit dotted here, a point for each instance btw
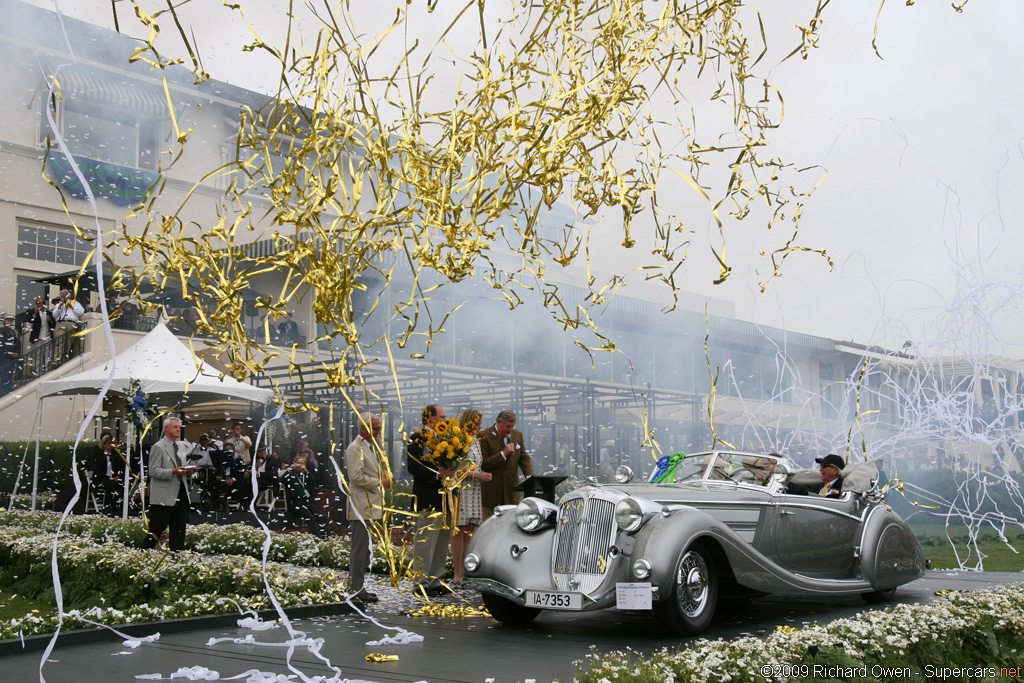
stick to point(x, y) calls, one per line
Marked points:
point(168, 494)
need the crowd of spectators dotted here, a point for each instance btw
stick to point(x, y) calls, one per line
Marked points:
point(36, 340)
point(294, 468)
point(41, 338)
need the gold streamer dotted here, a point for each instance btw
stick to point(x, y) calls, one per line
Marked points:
point(539, 117)
point(377, 658)
point(714, 387)
point(432, 609)
point(897, 485)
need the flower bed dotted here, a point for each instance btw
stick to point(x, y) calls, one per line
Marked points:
point(223, 539)
point(980, 633)
point(107, 578)
point(134, 585)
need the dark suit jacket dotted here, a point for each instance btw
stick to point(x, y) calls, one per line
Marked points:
point(834, 492)
point(37, 323)
point(498, 491)
point(99, 466)
point(269, 477)
point(299, 486)
point(8, 343)
point(425, 484)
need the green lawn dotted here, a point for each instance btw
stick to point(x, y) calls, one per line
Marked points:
point(13, 605)
point(998, 557)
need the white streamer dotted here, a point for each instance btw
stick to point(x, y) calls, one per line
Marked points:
point(98, 402)
point(403, 638)
point(254, 622)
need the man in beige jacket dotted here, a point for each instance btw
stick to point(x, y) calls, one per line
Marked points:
point(366, 484)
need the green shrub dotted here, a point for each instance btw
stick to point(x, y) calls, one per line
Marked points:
point(54, 464)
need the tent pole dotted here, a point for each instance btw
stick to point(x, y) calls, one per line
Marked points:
point(21, 465)
point(126, 478)
point(35, 469)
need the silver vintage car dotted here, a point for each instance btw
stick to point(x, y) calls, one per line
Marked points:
point(723, 522)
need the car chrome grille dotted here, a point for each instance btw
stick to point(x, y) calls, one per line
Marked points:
point(586, 529)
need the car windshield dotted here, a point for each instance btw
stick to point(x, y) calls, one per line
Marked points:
point(739, 467)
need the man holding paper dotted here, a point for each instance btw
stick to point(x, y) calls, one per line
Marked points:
point(168, 492)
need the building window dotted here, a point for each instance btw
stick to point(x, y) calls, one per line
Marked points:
point(109, 118)
point(106, 135)
point(26, 291)
point(52, 245)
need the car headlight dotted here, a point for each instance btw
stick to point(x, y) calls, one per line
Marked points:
point(532, 513)
point(471, 562)
point(628, 514)
point(623, 474)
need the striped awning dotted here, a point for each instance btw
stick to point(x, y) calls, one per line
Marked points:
point(112, 89)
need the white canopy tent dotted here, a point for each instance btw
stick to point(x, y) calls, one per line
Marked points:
point(164, 367)
point(167, 372)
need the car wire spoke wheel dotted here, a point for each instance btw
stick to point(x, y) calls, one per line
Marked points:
point(692, 580)
point(691, 604)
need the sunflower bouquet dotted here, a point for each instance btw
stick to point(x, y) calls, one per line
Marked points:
point(447, 444)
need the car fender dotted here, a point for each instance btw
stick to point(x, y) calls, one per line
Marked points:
point(512, 556)
point(890, 554)
point(664, 539)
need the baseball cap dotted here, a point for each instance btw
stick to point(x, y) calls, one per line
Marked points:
point(831, 459)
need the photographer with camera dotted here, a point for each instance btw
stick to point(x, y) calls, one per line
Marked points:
point(298, 485)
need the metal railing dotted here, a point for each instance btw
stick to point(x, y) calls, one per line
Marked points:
point(276, 338)
point(33, 364)
point(36, 362)
point(136, 323)
point(145, 323)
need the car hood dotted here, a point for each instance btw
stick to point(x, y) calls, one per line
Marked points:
point(689, 493)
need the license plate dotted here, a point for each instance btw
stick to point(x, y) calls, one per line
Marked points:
point(554, 600)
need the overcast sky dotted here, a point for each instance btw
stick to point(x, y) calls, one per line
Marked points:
point(920, 209)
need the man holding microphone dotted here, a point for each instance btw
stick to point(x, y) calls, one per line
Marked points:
point(502, 453)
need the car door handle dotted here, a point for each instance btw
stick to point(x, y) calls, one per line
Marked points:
point(787, 512)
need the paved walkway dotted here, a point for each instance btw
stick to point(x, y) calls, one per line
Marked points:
point(453, 649)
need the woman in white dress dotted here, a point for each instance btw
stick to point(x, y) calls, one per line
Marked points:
point(471, 511)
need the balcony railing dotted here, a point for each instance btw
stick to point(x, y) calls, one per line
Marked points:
point(136, 323)
point(17, 372)
point(145, 323)
point(36, 362)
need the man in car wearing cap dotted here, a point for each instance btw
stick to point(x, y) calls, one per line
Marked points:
point(831, 485)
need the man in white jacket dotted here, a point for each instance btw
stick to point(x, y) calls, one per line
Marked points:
point(366, 484)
